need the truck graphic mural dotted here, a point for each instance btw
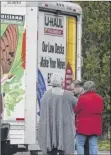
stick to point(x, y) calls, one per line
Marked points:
point(12, 61)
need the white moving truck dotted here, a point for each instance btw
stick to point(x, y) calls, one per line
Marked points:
point(37, 39)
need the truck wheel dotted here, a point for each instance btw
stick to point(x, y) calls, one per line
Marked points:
point(33, 152)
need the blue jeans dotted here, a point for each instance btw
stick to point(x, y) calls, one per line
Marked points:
point(93, 144)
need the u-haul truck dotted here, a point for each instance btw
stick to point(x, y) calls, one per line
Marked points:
point(37, 39)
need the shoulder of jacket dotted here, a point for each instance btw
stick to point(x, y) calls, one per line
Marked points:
point(47, 92)
point(100, 97)
point(68, 93)
point(82, 97)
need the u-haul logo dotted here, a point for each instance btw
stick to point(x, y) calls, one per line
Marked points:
point(53, 25)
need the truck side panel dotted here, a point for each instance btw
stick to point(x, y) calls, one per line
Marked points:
point(13, 71)
point(31, 76)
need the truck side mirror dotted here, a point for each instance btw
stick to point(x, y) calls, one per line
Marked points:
point(3, 94)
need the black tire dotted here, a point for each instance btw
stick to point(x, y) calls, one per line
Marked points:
point(6, 148)
point(33, 152)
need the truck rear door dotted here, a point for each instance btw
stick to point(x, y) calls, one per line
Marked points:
point(56, 49)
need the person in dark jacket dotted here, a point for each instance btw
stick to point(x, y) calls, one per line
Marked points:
point(77, 90)
point(88, 112)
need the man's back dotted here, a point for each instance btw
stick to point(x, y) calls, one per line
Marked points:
point(92, 104)
point(89, 113)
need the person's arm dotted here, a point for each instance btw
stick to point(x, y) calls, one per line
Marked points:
point(79, 106)
point(102, 106)
point(99, 107)
point(74, 100)
point(43, 105)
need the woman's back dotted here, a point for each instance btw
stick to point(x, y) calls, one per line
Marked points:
point(91, 104)
point(59, 106)
point(57, 118)
point(89, 112)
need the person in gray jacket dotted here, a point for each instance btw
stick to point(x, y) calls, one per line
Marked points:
point(56, 126)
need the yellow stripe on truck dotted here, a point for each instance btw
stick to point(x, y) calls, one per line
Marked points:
point(71, 44)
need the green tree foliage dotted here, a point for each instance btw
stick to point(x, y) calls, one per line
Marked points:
point(96, 50)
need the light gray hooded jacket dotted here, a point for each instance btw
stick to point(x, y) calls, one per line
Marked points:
point(56, 125)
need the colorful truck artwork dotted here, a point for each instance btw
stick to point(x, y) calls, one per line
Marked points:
point(12, 64)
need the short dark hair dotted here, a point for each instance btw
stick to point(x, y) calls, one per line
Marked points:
point(77, 83)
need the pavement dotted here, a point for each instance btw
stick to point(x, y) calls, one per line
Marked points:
point(100, 153)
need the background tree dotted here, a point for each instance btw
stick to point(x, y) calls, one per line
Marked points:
point(96, 51)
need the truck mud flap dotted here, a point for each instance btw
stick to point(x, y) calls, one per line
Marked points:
point(4, 131)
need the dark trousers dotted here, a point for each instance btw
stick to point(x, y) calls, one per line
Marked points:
point(86, 147)
point(55, 151)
